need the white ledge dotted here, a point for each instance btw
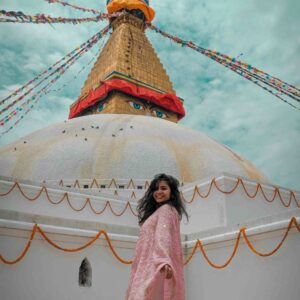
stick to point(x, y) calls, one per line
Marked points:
point(255, 230)
point(227, 236)
point(65, 230)
point(78, 196)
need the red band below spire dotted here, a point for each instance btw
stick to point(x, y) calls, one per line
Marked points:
point(167, 101)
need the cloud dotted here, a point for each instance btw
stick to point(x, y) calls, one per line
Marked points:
point(218, 102)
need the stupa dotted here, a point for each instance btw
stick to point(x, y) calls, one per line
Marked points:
point(86, 174)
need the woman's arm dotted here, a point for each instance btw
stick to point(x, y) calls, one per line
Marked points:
point(167, 229)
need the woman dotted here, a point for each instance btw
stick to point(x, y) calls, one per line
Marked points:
point(157, 269)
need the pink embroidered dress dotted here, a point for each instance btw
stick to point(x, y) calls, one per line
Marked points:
point(159, 244)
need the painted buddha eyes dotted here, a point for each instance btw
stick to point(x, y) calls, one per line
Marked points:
point(159, 114)
point(101, 107)
point(156, 113)
point(136, 105)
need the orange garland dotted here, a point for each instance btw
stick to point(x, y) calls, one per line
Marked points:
point(240, 181)
point(195, 193)
point(293, 221)
point(113, 181)
point(212, 183)
point(242, 231)
point(96, 183)
point(12, 262)
point(66, 196)
point(36, 227)
point(199, 244)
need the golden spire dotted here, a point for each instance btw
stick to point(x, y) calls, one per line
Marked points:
point(128, 77)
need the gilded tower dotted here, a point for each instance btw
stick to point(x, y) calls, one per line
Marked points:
point(128, 77)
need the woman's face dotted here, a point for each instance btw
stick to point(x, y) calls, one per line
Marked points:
point(162, 192)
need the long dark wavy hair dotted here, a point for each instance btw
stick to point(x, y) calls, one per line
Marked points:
point(147, 205)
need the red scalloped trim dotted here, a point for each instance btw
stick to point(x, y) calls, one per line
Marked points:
point(167, 101)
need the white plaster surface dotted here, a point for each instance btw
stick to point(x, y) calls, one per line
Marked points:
point(47, 273)
point(54, 274)
point(217, 210)
point(135, 147)
point(248, 276)
point(120, 146)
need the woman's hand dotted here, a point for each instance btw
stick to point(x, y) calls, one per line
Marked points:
point(168, 271)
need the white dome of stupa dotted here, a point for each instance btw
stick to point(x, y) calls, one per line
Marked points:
point(120, 146)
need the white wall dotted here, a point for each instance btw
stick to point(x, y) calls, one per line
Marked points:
point(221, 209)
point(215, 211)
point(14, 201)
point(47, 273)
point(248, 276)
point(240, 208)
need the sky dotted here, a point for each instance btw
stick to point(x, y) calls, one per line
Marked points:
point(218, 102)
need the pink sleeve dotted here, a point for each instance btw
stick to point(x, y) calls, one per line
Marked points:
point(160, 245)
point(168, 251)
point(166, 236)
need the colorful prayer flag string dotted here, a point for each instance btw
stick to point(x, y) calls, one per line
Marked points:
point(77, 49)
point(62, 69)
point(258, 77)
point(284, 87)
point(256, 80)
point(59, 70)
point(81, 70)
point(45, 89)
point(64, 60)
point(37, 97)
point(20, 17)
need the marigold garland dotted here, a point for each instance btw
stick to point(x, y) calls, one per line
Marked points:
point(198, 244)
point(66, 196)
point(240, 181)
point(12, 262)
point(242, 232)
point(113, 181)
point(133, 196)
point(196, 191)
